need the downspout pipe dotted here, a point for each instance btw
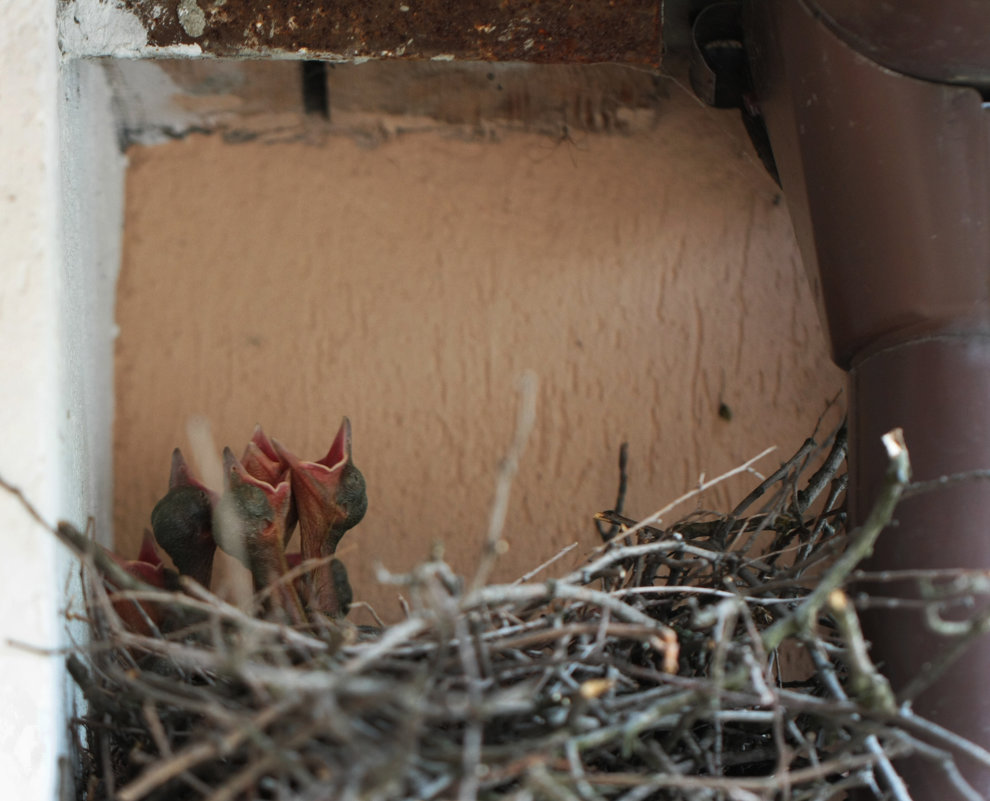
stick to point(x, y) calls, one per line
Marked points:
point(881, 139)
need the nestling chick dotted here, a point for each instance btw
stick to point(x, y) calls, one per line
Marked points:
point(249, 524)
point(143, 617)
point(261, 461)
point(330, 498)
point(183, 522)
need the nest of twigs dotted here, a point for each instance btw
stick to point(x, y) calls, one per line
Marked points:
point(654, 671)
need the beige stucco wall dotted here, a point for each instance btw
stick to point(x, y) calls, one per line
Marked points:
point(645, 278)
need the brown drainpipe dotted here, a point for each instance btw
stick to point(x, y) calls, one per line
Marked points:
point(882, 144)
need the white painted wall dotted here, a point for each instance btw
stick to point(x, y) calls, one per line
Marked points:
point(30, 694)
point(60, 194)
point(91, 218)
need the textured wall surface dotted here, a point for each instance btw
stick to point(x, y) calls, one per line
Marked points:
point(645, 278)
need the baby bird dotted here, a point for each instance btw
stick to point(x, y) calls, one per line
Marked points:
point(249, 524)
point(142, 617)
point(183, 522)
point(261, 461)
point(330, 498)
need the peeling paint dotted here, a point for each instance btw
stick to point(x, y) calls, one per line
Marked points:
point(105, 29)
point(191, 18)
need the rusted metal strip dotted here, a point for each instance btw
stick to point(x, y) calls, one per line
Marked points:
point(544, 31)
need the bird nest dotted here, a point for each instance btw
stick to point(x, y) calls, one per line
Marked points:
point(714, 657)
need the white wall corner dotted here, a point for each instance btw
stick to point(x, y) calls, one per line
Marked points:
point(32, 725)
point(91, 210)
point(91, 218)
point(60, 236)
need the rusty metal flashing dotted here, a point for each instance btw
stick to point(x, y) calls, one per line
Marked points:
point(540, 31)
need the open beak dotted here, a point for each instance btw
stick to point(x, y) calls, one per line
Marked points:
point(262, 461)
point(251, 527)
point(329, 498)
point(315, 487)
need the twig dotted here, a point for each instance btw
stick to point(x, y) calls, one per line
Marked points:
point(85, 548)
point(965, 633)
point(764, 486)
point(525, 418)
point(756, 783)
point(159, 773)
point(861, 546)
point(824, 475)
point(544, 593)
point(541, 567)
point(703, 486)
point(942, 482)
point(866, 683)
point(620, 496)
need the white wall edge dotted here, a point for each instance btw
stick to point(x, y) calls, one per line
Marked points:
point(32, 727)
point(61, 186)
point(90, 217)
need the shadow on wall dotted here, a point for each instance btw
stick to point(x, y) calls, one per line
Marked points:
point(407, 278)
